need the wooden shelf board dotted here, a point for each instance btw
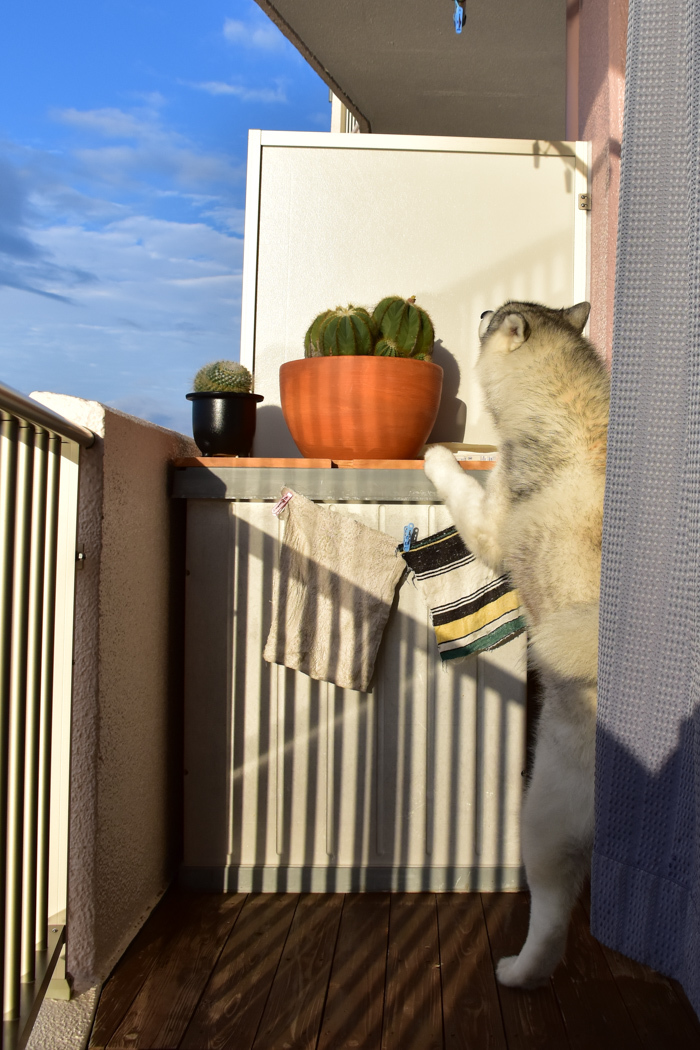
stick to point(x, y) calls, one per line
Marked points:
point(316, 464)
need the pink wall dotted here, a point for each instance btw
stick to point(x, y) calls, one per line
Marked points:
point(596, 42)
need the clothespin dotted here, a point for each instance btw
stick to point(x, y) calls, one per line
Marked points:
point(410, 535)
point(279, 507)
point(459, 16)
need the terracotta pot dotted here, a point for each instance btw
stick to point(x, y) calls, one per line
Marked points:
point(360, 407)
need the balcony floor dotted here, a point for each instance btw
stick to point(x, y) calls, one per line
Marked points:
point(373, 971)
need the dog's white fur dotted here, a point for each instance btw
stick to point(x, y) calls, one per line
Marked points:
point(540, 518)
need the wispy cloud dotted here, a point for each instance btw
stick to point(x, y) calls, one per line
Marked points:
point(257, 33)
point(246, 94)
point(110, 123)
point(143, 148)
point(25, 264)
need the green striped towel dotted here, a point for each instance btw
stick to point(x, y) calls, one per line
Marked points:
point(472, 608)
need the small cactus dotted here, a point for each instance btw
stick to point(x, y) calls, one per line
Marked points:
point(406, 329)
point(343, 331)
point(222, 376)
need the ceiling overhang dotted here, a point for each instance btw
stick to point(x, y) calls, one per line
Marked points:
point(400, 67)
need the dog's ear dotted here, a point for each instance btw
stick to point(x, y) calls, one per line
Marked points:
point(511, 333)
point(484, 323)
point(577, 315)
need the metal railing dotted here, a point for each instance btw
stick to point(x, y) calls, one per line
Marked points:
point(39, 453)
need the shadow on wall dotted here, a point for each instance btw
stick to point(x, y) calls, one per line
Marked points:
point(324, 783)
point(452, 414)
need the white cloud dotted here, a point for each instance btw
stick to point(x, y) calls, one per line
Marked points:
point(125, 304)
point(263, 35)
point(110, 123)
point(232, 219)
point(166, 299)
point(152, 150)
point(246, 94)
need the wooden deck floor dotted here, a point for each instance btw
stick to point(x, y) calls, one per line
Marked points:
point(373, 971)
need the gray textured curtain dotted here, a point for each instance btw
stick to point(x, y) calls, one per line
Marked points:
point(646, 866)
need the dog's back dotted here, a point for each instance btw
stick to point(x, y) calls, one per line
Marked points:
point(548, 392)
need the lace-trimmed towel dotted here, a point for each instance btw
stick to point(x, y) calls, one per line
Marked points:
point(332, 595)
point(472, 609)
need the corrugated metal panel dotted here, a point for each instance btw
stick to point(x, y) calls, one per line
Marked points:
point(293, 783)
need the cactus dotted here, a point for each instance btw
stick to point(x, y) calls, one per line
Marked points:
point(343, 331)
point(222, 376)
point(406, 329)
point(312, 346)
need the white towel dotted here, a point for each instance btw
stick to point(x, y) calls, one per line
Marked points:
point(332, 595)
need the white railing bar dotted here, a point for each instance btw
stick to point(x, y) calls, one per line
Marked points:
point(33, 703)
point(17, 738)
point(25, 408)
point(8, 483)
point(38, 504)
point(47, 684)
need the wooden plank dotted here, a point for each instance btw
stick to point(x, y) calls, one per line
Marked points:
point(343, 464)
point(292, 1016)
point(160, 1013)
point(658, 1006)
point(531, 1019)
point(589, 999)
point(413, 1005)
point(251, 461)
point(355, 1004)
point(470, 1003)
point(406, 464)
point(229, 1012)
point(134, 966)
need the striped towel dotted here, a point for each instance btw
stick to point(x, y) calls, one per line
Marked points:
point(472, 609)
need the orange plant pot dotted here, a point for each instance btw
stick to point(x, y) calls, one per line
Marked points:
point(360, 407)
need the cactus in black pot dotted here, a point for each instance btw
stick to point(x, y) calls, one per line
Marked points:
point(223, 409)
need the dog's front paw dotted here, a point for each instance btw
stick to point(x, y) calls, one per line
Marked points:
point(440, 467)
point(513, 974)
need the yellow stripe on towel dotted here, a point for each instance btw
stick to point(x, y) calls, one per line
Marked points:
point(461, 628)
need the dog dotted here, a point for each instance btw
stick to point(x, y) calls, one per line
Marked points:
point(540, 518)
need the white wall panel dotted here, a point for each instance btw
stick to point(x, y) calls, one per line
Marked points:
point(463, 224)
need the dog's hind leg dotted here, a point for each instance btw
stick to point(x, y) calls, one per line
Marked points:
point(557, 836)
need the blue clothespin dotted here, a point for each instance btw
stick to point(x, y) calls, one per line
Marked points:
point(458, 16)
point(410, 534)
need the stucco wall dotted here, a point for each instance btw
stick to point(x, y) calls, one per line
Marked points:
point(124, 837)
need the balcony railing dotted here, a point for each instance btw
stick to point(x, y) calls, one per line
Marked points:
point(39, 452)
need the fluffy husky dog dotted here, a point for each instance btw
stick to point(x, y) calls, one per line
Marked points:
point(540, 518)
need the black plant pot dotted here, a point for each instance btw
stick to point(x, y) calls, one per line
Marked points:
point(223, 422)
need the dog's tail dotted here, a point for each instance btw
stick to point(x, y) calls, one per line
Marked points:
point(566, 642)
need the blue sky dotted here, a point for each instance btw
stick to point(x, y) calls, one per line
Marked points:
point(123, 139)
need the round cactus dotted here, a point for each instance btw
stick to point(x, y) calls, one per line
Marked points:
point(406, 329)
point(346, 330)
point(222, 376)
point(312, 345)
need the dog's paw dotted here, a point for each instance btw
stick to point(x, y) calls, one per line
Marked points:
point(513, 974)
point(440, 466)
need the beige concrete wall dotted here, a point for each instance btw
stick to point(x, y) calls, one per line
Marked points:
point(597, 40)
point(124, 837)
